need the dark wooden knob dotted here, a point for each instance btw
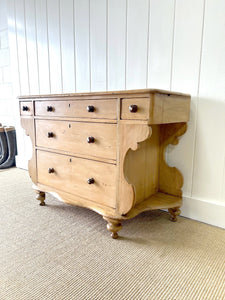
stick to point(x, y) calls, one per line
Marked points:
point(90, 181)
point(133, 108)
point(90, 139)
point(90, 108)
point(50, 134)
point(49, 108)
point(51, 170)
point(25, 108)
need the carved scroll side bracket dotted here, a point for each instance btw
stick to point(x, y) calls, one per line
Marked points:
point(130, 135)
point(28, 126)
point(170, 178)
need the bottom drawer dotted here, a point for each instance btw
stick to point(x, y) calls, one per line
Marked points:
point(90, 179)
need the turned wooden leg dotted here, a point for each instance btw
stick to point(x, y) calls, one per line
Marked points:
point(114, 225)
point(174, 212)
point(41, 197)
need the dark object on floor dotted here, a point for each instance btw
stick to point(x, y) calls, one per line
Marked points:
point(8, 147)
point(3, 146)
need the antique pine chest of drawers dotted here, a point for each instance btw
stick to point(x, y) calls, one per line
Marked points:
point(105, 150)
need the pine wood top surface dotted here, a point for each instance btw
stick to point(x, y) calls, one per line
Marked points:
point(109, 93)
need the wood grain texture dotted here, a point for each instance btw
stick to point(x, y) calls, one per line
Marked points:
point(78, 109)
point(129, 138)
point(74, 173)
point(72, 137)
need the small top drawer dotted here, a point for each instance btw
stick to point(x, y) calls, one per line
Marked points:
point(135, 109)
point(26, 108)
point(94, 109)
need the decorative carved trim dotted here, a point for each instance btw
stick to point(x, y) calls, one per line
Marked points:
point(130, 137)
point(28, 125)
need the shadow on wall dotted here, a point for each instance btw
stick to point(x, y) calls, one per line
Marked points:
point(8, 148)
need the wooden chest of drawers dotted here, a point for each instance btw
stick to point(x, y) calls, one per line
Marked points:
point(105, 151)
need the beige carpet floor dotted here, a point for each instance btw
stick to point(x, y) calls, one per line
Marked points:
point(64, 252)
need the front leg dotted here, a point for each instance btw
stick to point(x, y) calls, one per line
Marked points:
point(41, 197)
point(114, 225)
point(174, 212)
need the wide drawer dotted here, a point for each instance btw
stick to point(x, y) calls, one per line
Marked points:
point(92, 139)
point(88, 179)
point(26, 108)
point(94, 109)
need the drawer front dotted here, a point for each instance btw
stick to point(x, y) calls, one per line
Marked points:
point(135, 109)
point(93, 109)
point(71, 175)
point(94, 139)
point(26, 108)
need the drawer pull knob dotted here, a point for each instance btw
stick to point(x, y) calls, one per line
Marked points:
point(90, 181)
point(90, 139)
point(50, 134)
point(49, 108)
point(90, 108)
point(133, 108)
point(51, 170)
point(25, 108)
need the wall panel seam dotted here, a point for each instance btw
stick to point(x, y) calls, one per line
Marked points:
point(172, 50)
point(148, 43)
point(107, 40)
point(126, 45)
point(90, 45)
point(74, 48)
point(197, 99)
point(60, 46)
point(49, 77)
point(25, 29)
point(17, 53)
point(35, 18)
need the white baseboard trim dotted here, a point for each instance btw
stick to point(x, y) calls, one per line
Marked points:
point(205, 211)
point(21, 162)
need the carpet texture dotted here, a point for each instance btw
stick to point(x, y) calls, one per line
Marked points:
point(63, 252)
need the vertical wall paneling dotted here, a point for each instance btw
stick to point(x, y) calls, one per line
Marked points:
point(116, 44)
point(54, 46)
point(13, 47)
point(185, 77)
point(210, 142)
point(98, 44)
point(81, 23)
point(32, 46)
point(137, 29)
point(160, 43)
point(67, 45)
point(42, 43)
point(21, 159)
point(22, 47)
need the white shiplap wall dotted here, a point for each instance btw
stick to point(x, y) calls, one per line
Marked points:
point(60, 46)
